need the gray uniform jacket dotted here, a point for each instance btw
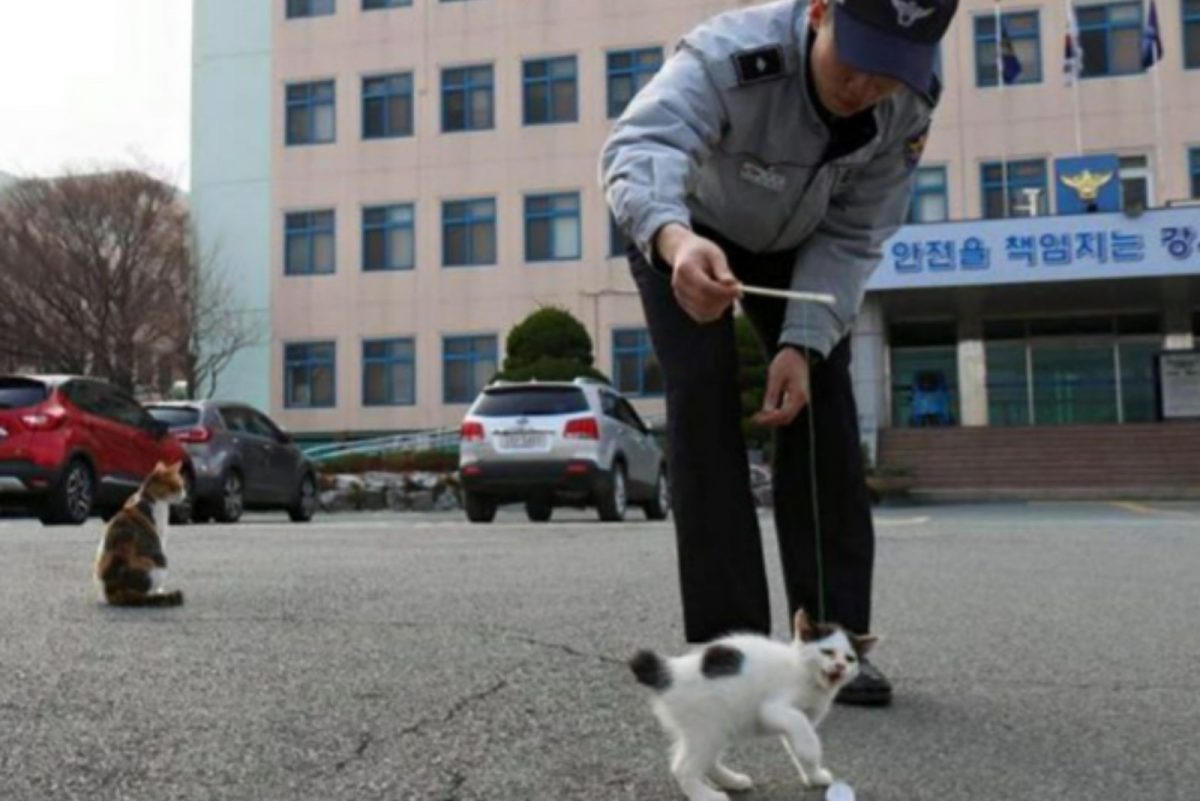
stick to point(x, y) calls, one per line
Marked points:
point(726, 136)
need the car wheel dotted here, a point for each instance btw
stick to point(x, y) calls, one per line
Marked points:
point(480, 508)
point(181, 513)
point(70, 501)
point(539, 511)
point(613, 501)
point(660, 505)
point(229, 507)
point(305, 505)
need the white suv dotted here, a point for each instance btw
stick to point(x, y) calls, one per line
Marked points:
point(559, 443)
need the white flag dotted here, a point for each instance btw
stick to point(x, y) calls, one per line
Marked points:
point(1072, 50)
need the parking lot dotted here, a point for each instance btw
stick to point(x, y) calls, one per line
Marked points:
point(1039, 652)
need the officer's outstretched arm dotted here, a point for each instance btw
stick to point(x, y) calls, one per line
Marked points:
point(848, 244)
point(647, 164)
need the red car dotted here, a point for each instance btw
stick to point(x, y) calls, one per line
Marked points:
point(71, 445)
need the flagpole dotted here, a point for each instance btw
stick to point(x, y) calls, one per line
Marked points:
point(1004, 122)
point(1159, 167)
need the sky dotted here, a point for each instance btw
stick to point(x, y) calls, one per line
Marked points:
point(90, 84)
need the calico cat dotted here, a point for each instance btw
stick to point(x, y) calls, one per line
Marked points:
point(131, 567)
point(748, 685)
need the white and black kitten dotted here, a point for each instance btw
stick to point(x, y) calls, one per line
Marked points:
point(744, 686)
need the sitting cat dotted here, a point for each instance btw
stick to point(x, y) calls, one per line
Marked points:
point(748, 685)
point(131, 567)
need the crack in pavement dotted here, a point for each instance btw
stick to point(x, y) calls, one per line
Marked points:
point(364, 741)
point(455, 709)
point(566, 649)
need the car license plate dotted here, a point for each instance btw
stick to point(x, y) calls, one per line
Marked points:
point(524, 440)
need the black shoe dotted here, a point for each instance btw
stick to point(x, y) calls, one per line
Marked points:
point(869, 688)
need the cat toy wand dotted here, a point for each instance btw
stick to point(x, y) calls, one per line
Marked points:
point(815, 297)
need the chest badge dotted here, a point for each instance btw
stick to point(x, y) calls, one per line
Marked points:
point(765, 177)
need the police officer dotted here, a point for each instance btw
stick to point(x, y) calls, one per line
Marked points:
point(774, 148)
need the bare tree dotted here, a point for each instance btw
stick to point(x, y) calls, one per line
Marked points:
point(98, 276)
point(216, 331)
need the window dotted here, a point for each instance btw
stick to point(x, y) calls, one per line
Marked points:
point(1026, 188)
point(371, 5)
point(1194, 169)
point(1191, 34)
point(1067, 370)
point(468, 232)
point(929, 202)
point(618, 243)
point(1023, 31)
point(308, 375)
point(550, 90)
point(468, 364)
point(635, 367)
point(628, 72)
point(310, 113)
point(310, 8)
point(387, 106)
point(389, 372)
point(1111, 38)
point(924, 369)
point(309, 243)
point(552, 227)
point(467, 99)
point(1137, 182)
point(389, 242)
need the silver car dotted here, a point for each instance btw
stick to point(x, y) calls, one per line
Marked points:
point(559, 443)
point(242, 460)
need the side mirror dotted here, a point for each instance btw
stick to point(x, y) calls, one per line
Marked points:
point(284, 438)
point(158, 428)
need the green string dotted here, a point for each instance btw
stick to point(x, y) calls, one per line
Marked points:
point(812, 475)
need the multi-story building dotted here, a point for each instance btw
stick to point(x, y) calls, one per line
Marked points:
point(394, 183)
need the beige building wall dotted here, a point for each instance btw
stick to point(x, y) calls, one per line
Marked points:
point(511, 160)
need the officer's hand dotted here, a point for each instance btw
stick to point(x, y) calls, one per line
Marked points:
point(787, 389)
point(700, 274)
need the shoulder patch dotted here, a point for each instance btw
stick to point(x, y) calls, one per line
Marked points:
point(720, 661)
point(914, 148)
point(759, 65)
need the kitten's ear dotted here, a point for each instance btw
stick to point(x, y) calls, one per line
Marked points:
point(802, 627)
point(159, 467)
point(175, 467)
point(864, 643)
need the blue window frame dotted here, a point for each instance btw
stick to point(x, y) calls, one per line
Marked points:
point(1024, 31)
point(1191, 34)
point(1194, 170)
point(371, 5)
point(469, 232)
point(467, 101)
point(389, 372)
point(309, 375)
point(310, 243)
point(930, 202)
point(1022, 175)
point(550, 90)
point(635, 367)
point(552, 227)
point(311, 115)
point(618, 243)
point(387, 106)
point(628, 72)
point(468, 364)
point(310, 8)
point(389, 238)
point(1111, 38)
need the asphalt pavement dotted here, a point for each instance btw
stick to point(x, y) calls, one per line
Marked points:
point(1044, 651)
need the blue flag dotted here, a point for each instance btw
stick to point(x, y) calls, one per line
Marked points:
point(1152, 47)
point(1010, 65)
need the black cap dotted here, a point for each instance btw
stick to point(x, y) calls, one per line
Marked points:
point(897, 38)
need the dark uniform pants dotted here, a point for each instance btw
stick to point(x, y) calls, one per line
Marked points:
point(721, 568)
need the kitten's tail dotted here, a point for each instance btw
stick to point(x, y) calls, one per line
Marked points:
point(174, 598)
point(651, 670)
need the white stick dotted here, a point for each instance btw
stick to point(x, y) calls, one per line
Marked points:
point(815, 297)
